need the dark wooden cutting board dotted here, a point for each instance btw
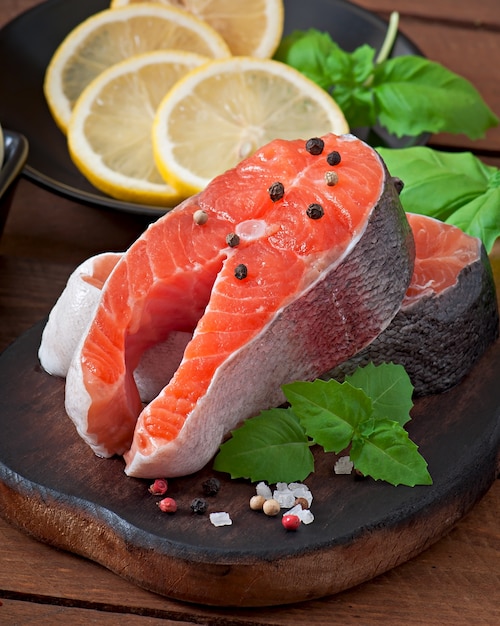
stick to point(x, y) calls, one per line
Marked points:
point(54, 488)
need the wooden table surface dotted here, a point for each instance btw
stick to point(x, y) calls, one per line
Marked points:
point(456, 581)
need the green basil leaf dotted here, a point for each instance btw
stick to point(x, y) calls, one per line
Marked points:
point(457, 188)
point(271, 446)
point(350, 76)
point(329, 411)
point(344, 75)
point(388, 454)
point(408, 95)
point(480, 218)
point(414, 95)
point(308, 52)
point(389, 387)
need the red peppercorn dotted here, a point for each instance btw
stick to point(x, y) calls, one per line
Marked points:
point(290, 522)
point(167, 505)
point(159, 487)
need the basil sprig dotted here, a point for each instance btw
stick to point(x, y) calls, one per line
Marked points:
point(407, 95)
point(366, 412)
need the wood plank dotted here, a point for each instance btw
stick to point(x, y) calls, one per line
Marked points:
point(64, 231)
point(462, 568)
point(13, 8)
point(372, 528)
point(19, 277)
point(479, 49)
point(16, 612)
point(483, 14)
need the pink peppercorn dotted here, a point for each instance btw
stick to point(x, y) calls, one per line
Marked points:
point(159, 487)
point(290, 522)
point(167, 505)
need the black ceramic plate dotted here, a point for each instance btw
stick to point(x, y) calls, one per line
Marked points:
point(29, 41)
point(15, 153)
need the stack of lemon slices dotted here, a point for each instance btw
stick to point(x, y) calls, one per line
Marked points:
point(156, 100)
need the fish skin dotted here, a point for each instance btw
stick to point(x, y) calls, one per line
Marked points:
point(366, 281)
point(438, 338)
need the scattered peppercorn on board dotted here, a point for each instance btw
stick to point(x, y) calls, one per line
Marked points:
point(55, 489)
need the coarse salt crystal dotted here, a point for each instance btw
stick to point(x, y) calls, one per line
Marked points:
point(295, 486)
point(300, 490)
point(295, 510)
point(285, 493)
point(264, 490)
point(220, 519)
point(303, 493)
point(343, 465)
point(305, 515)
point(286, 498)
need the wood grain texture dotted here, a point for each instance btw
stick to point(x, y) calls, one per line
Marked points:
point(53, 487)
point(453, 582)
point(482, 14)
point(463, 568)
point(12, 612)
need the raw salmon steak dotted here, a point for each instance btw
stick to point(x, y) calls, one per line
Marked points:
point(304, 258)
point(69, 316)
point(449, 315)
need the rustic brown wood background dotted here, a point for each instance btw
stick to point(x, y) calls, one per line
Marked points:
point(454, 582)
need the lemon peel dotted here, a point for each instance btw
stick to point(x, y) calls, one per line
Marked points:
point(112, 35)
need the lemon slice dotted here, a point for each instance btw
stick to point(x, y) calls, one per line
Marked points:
point(249, 28)
point(109, 134)
point(114, 35)
point(223, 111)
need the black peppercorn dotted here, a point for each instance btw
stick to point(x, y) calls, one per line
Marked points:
point(276, 191)
point(333, 158)
point(315, 145)
point(199, 506)
point(232, 240)
point(211, 486)
point(315, 211)
point(241, 271)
